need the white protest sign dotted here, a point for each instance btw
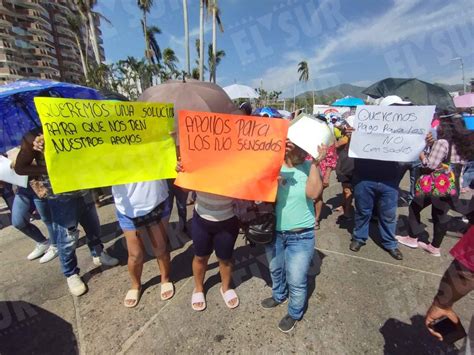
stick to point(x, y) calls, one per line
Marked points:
point(390, 133)
point(308, 133)
point(7, 174)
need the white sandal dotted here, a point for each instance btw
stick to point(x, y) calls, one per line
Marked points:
point(166, 287)
point(228, 296)
point(132, 295)
point(198, 297)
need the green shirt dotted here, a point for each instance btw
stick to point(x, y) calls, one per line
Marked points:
point(293, 209)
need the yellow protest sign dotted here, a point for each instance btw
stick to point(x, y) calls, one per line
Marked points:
point(92, 143)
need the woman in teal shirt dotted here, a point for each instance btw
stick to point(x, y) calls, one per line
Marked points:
point(290, 254)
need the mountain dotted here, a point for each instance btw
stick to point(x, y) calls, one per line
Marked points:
point(341, 90)
point(451, 88)
point(356, 91)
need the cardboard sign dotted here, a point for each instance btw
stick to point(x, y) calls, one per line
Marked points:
point(7, 174)
point(231, 155)
point(92, 143)
point(309, 133)
point(390, 133)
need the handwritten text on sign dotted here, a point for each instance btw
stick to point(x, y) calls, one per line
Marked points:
point(91, 143)
point(230, 155)
point(390, 133)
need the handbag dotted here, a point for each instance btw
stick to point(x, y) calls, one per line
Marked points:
point(257, 220)
point(39, 188)
point(438, 183)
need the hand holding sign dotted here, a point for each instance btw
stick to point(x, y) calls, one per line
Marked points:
point(230, 155)
point(309, 133)
point(390, 133)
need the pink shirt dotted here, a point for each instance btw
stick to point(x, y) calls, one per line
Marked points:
point(463, 251)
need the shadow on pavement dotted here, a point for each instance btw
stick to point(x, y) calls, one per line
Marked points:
point(414, 338)
point(29, 329)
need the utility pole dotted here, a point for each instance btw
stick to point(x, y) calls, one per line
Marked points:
point(462, 71)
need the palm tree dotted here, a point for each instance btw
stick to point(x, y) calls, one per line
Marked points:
point(216, 20)
point(186, 36)
point(195, 73)
point(155, 51)
point(303, 70)
point(214, 61)
point(86, 10)
point(170, 69)
point(75, 24)
point(145, 6)
point(202, 4)
point(197, 44)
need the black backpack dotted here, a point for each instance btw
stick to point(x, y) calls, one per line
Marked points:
point(257, 220)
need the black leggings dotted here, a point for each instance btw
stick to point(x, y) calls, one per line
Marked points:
point(439, 209)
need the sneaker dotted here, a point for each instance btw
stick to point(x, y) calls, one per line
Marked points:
point(38, 251)
point(270, 302)
point(407, 241)
point(50, 255)
point(104, 260)
point(430, 249)
point(76, 286)
point(287, 324)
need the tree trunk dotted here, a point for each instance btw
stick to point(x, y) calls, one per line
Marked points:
point(93, 34)
point(186, 36)
point(201, 40)
point(81, 53)
point(214, 43)
point(147, 42)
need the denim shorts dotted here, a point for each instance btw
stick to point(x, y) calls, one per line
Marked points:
point(131, 224)
point(219, 236)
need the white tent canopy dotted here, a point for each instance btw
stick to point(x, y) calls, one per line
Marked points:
point(236, 91)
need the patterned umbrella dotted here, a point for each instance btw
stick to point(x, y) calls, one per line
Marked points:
point(17, 109)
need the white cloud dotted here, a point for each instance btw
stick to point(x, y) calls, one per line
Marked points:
point(403, 20)
point(406, 19)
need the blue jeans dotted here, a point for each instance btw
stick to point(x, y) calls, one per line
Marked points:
point(468, 176)
point(21, 215)
point(67, 212)
point(383, 196)
point(289, 258)
point(414, 168)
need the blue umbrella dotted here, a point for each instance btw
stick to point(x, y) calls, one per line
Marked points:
point(267, 111)
point(17, 109)
point(348, 101)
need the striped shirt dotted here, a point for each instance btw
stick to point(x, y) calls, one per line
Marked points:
point(214, 208)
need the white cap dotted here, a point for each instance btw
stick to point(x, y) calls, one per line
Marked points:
point(393, 100)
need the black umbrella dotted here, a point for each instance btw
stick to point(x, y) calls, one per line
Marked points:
point(417, 91)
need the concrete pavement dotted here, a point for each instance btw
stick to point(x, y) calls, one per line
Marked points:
point(362, 302)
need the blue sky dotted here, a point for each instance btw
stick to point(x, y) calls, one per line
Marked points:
point(344, 41)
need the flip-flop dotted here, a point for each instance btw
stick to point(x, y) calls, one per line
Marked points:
point(228, 296)
point(132, 295)
point(198, 297)
point(166, 287)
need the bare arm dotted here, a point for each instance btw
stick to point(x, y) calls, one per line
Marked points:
point(24, 162)
point(314, 185)
point(457, 282)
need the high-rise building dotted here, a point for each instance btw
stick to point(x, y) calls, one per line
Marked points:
point(36, 41)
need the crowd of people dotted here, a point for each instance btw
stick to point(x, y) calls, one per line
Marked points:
point(143, 210)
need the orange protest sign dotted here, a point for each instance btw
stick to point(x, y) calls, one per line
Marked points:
point(231, 155)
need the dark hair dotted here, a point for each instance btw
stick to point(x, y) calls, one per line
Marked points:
point(246, 108)
point(297, 156)
point(454, 131)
